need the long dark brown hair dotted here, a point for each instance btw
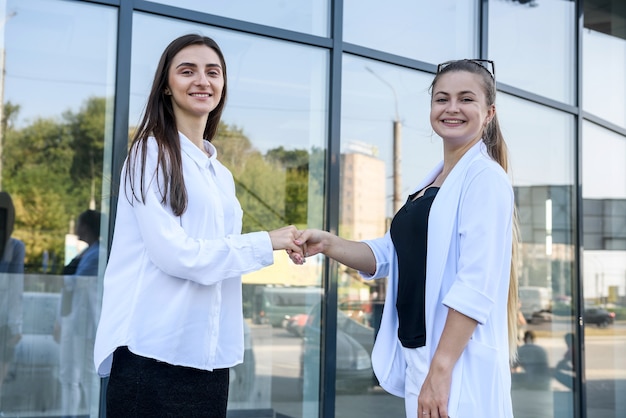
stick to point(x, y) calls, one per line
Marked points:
point(8, 209)
point(159, 121)
point(497, 149)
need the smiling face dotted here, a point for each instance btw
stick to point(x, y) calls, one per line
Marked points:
point(195, 82)
point(458, 109)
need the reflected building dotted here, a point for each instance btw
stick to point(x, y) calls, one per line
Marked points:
point(300, 90)
point(363, 200)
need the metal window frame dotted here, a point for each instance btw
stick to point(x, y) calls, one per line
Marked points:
point(337, 48)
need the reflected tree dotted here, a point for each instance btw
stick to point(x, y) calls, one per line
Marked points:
point(51, 168)
point(273, 188)
point(87, 132)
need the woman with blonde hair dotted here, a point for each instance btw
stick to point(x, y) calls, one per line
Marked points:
point(448, 330)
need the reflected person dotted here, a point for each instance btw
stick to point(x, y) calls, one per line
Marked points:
point(565, 370)
point(77, 322)
point(533, 370)
point(172, 317)
point(11, 285)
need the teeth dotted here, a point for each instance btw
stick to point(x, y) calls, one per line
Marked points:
point(201, 95)
point(452, 121)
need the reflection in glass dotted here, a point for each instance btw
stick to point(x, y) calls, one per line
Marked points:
point(605, 17)
point(272, 138)
point(387, 144)
point(429, 31)
point(11, 286)
point(543, 182)
point(604, 262)
point(517, 43)
point(604, 70)
point(304, 16)
point(58, 78)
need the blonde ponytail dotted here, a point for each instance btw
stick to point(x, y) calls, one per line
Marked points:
point(513, 302)
point(497, 149)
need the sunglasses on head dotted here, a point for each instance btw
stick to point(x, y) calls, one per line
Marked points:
point(488, 65)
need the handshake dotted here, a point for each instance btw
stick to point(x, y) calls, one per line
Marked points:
point(299, 244)
point(302, 244)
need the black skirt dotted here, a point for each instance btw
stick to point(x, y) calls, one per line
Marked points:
point(144, 387)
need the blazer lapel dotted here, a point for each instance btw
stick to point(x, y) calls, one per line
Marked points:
point(441, 224)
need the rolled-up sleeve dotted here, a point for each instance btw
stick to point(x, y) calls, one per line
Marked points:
point(383, 251)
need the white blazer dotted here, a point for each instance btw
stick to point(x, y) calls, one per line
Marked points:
point(468, 269)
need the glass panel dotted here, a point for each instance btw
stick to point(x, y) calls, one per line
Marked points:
point(430, 31)
point(542, 160)
point(386, 145)
point(58, 79)
point(604, 274)
point(605, 16)
point(604, 76)
point(533, 45)
point(311, 16)
point(272, 138)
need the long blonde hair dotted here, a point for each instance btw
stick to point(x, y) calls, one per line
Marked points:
point(497, 149)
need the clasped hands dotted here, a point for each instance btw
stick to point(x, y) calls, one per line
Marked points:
point(298, 244)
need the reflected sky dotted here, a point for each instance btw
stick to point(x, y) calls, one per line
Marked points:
point(277, 91)
point(540, 141)
point(604, 174)
point(60, 53)
point(604, 72)
point(57, 54)
point(311, 16)
point(534, 47)
point(371, 94)
point(430, 31)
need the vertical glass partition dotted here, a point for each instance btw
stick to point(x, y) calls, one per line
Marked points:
point(272, 138)
point(304, 16)
point(387, 146)
point(542, 169)
point(533, 44)
point(58, 62)
point(604, 274)
point(430, 31)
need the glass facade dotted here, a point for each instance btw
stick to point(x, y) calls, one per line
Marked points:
point(58, 78)
point(326, 126)
point(406, 27)
point(532, 43)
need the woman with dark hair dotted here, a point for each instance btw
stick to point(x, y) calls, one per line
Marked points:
point(12, 254)
point(172, 323)
point(449, 328)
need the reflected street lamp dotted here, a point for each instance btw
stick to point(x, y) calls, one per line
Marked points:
point(2, 75)
point(397, 141)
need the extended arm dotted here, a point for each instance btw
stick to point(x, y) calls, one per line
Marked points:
point(354, 254)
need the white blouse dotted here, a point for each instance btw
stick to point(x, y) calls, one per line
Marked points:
point(172, 286)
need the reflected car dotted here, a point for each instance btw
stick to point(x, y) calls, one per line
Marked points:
point(243, 375)
point(355, 341)
point(598, 316)
point(31, 383)
point(360, 311)
point(535, 302)
point(295, 324)
point(32, 387)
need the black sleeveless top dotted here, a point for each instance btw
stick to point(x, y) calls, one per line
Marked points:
point(409, 233)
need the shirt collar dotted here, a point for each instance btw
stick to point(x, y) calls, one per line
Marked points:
point(195, 153)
